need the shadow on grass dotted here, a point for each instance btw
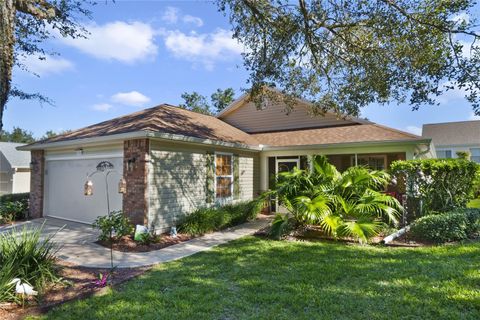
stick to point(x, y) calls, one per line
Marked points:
point(257, 279)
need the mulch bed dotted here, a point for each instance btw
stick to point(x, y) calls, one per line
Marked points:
point(127, 244)
point(77, 283)
point(313, 233)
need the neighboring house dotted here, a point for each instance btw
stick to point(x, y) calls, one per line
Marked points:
point(451, 137)
point(14, 168)
point(174, 160)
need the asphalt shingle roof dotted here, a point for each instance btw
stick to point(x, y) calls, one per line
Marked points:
point(16, 158)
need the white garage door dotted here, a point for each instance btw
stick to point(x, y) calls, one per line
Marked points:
point(64, 189)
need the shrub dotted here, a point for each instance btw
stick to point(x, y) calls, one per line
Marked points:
point(442, 184)
point(446, 227)
point(14, 206)
point(348, 204)
point(11, 211)
point(281, 226)
point(25, 255)
point(204, 220)
point(113, 226)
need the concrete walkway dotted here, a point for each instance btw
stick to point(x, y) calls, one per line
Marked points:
point(78, 247)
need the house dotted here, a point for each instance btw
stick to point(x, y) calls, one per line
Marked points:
point(173, 160)
point(14, 169)
point(452, 137)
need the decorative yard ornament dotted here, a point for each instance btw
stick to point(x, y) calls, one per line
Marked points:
point(23, 288)
point(106, 168)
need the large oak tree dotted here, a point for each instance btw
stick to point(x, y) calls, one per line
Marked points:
point(346, 54)
point(24, 26)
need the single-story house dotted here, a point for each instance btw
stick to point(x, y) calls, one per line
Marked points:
point(14, 168)
point(449, 138)
point(174, 161)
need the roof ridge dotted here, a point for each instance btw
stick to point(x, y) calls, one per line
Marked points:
point(396, 130)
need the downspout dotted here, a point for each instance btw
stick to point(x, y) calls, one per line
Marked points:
point(421, 153)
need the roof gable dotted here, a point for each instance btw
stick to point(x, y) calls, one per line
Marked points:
point(16, 158)
point(276, 116)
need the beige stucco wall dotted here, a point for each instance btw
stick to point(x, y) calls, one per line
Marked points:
point(177, 176)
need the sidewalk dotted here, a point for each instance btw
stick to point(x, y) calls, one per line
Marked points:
point(78, 245)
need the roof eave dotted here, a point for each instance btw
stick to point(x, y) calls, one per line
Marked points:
point(134, 135)
point(347, 144)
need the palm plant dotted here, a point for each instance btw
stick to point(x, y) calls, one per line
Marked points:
point(348, 204)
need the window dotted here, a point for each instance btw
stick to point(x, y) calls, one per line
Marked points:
point(444, 154)
point(374, 162)
point(223, 175)
point(475, 154)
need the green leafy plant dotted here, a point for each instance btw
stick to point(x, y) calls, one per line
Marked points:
point(12, 211)
point(348, 204)
point(282, 225)
point(441, 184)
point(448, 226)
point(204, 220)
point(26, 255)
point(113, 226)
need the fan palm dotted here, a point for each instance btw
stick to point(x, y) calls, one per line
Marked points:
point(348, 204)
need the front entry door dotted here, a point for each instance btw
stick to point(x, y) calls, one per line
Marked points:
point(285, 165)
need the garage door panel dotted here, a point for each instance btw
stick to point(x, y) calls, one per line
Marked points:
point(64, 189)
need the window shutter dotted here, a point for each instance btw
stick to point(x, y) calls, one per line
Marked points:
point(210, 177)
point(236, 176)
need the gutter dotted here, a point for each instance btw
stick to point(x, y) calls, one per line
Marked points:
point(345, 144)
point(134, 135)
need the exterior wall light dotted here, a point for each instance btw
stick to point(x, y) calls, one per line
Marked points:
point(88, 188)
point(122, 186)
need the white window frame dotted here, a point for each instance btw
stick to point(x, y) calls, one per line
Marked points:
point(225, 199)
point(472, 157)
point(354, 159)
point(446, 150)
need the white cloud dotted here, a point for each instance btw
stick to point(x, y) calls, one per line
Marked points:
point(121, 41)
point(49, 65)
point(193, 20)
point(170, 15)
point(104, 107)
point(206, 48)
point(473, 116)
point(460, 18)
point(132, 98)
point(415, 130)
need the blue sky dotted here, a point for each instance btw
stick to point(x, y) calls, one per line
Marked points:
point(143, 53)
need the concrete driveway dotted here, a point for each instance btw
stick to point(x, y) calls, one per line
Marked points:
point(76, 241)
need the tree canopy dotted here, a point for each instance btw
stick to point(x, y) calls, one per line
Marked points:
point(219, 100)
point(343, 55)
point(24, 26)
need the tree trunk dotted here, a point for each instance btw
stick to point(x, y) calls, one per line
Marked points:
point(7, 44)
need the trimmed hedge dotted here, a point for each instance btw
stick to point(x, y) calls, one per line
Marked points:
point(204, 220)
point(12, 197)
point(442, 184)
point(455, 225)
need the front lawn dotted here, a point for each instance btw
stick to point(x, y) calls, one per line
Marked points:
point(257, 279)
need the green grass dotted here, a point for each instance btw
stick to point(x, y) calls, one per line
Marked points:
point(259, 279)
point(475, 203)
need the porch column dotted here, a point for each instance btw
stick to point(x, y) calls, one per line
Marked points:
point(136, 155)
point(37, 178)
point(263, 172)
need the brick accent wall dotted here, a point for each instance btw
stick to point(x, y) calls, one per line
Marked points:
point(136, 155)
point(37, 177)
